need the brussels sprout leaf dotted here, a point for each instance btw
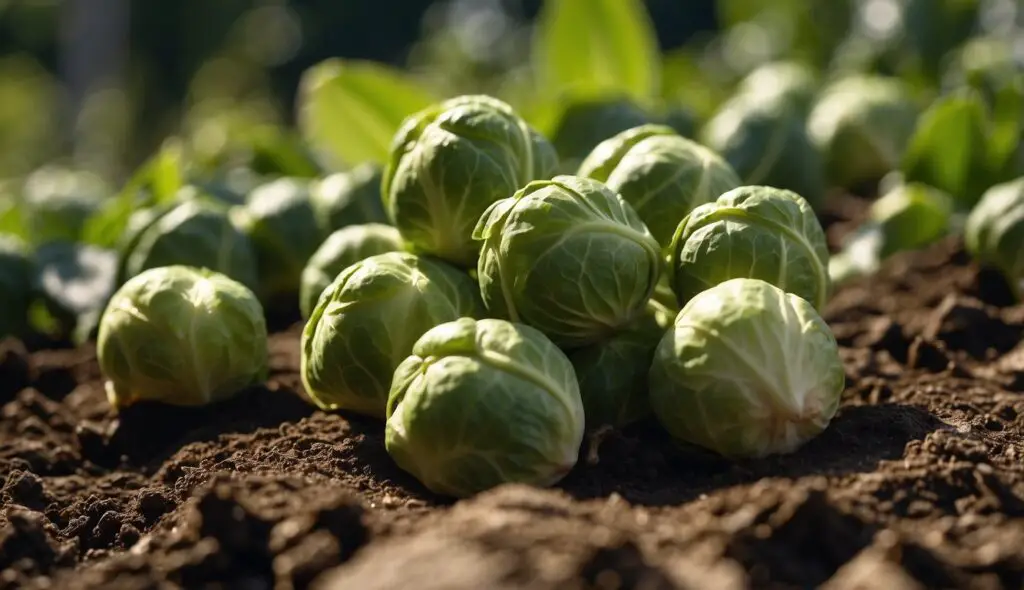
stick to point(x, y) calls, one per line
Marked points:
point(597, 47)
point(948, 149)
point(349, 111)
point(157, 181)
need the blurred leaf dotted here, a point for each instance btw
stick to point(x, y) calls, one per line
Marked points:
point(156, 181)
point(11, 220)
point(350, 110)
point(597, 47)
point(76, 281)
point(1005, 151)
point(948, 148)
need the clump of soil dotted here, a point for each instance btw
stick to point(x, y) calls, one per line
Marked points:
point(919, 481)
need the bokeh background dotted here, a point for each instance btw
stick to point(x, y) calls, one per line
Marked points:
point(99, 83)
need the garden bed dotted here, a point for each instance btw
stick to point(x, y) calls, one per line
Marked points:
point(918, 482)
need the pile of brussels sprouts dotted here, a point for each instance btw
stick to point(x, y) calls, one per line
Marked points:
point(489, 309)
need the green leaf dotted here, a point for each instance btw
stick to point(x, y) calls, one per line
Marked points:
point(597, 47)
point(349, 111)
point(11, 218)
point(949, 149)
point(1006, 132)
point(157, 181)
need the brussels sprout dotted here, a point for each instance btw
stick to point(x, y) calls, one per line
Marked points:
point(907, 217)
point(449, 163)
point(15, 285)
point(994, 232)
point(182, 336)
point(569, 257)
point(340, 250)
point(793, 82)
point(349, 198)
point(747, 370)
point(58, 202)
point(481, 403)
point(586, 123)
point(193, 233)
point(75, 281)
point(681, 119)
point(279, 219)
point(613, 373)
point(662, 175)
point(765, 141)
point(367, 321)
point(755, 232)
point(861, 125)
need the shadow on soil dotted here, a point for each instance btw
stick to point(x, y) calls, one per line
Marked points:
point(645, 467)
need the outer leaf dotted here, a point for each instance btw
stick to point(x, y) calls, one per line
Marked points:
point(948, 148)
point(597, 47)
point(350, 110)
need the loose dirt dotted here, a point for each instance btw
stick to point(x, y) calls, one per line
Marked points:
point(918, 482)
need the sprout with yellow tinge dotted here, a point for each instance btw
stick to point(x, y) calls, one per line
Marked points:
point(182, 336)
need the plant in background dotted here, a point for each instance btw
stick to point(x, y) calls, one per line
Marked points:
point(449, 163)
point(747, 370)
point(662, 175)
point(15, 285)
point(367, 321)
point(569, 257)
point(192, 232)
point(484, 402)
point(340, 250)
point(57, 202)
point(349, 198)
point(74, 281)
point(585, 123)
point(861, 125)
point(753, 232)
point(994, 231)
point(182, 336)
point(790, 81)
point(763, 136)
point(281, 223)
point(907, 217)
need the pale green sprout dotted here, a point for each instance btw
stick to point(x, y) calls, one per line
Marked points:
point(449, 163)
point(994, 231)
point(340, 250)
point(484, 402)
point(754, 232)
point(861, 125)
point(747, 370)
point(181, 336)
point(661, 174)
point(792, 81)
point(280, 221)
point(368, 319)
point(193, 232)
point(569, 257)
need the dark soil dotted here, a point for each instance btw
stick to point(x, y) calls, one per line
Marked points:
point(918, 483)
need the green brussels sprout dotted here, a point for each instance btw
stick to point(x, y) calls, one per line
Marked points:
point(481, 403)
point(280, 221)
point(449, 163)
point(794, 82)
point(765, 141)
point(367, 321)
point(994, 231)
point(747, 370)
point(191, 232)
point(586, 123)
point(340, 250)
point(569, 257)
point(58, 202)
point(15, 285)
point(349, 198)
point(661, 174)
point(756, 232)
point(907, 217)
point(861, 125)
point(681, 119)
point(74, 282)
point(182, 336)
point(613, 373)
